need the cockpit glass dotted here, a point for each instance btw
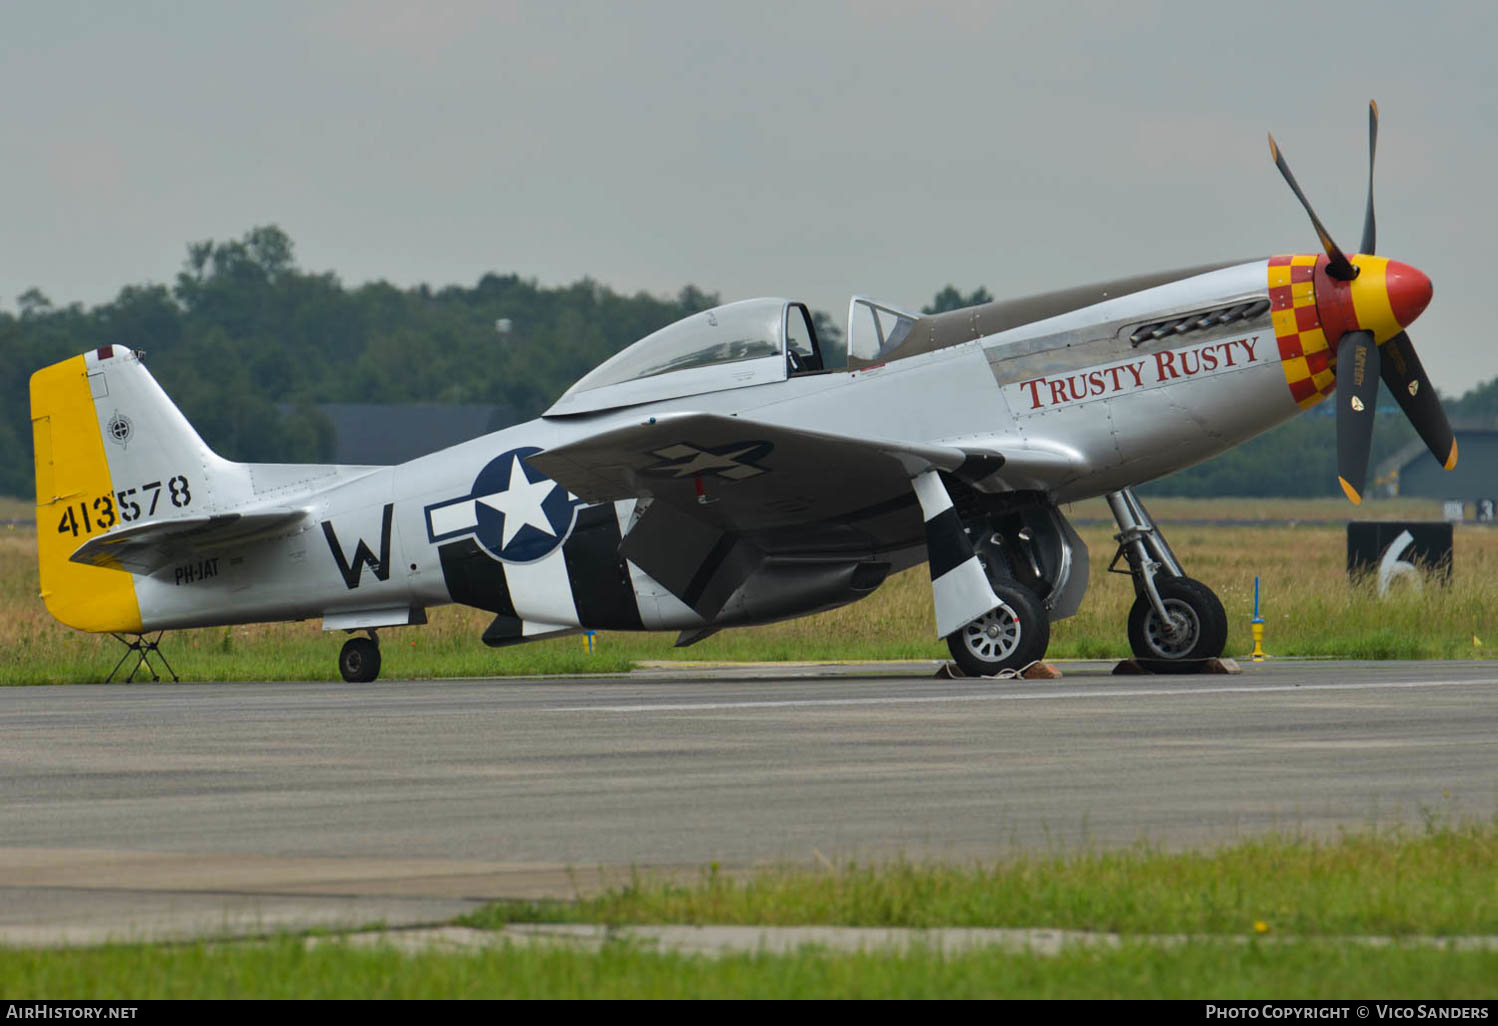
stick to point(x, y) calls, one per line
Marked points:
point(727, 334)
point(875, 329)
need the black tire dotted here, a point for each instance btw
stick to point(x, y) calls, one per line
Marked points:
point(1011, 637)
point(359, 662)
point(1196, 610)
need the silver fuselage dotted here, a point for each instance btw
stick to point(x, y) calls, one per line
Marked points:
point(1076, 408)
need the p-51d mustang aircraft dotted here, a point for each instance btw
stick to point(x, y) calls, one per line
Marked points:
point(717, 474)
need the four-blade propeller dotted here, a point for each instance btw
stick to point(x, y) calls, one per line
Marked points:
point(1364, 316)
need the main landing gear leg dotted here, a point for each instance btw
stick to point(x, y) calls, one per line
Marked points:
point(1174, 617)
point(141, 647)
point(359, 662)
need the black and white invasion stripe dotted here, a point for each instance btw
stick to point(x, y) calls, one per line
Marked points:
point(589, 585)
point(959, 586)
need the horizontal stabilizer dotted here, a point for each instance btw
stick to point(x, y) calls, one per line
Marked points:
point(146, 548)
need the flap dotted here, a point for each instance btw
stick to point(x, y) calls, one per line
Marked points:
point(146, 548)
point(745, 475)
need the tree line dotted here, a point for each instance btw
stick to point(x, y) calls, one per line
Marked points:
point(247, 343)
point(244, 334)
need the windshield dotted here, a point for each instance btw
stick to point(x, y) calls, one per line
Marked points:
point(728, 334)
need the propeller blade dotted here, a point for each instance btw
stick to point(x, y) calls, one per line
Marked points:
point(1406, 379)
point(1368, 224)
point(1357, 397)
point(1340, 267)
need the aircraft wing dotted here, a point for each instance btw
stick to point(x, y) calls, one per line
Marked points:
point(731, 507)
point(745, 475)
point(146, 548)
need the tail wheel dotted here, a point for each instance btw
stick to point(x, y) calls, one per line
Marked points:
point(359, 662)
point(1009, 637)
point(1197, 628)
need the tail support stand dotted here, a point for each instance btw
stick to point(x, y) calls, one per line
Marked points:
point(142, 647)
point(1143, 546)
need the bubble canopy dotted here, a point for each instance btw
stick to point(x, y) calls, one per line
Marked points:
point(726, 347)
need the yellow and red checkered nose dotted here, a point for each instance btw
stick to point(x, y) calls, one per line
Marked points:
point(1305, 353)
point(1385, 298)
point(1311, 312)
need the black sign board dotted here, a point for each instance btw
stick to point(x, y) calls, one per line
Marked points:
point(1390, 549)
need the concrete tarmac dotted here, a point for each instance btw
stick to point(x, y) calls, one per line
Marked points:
point(167, 810)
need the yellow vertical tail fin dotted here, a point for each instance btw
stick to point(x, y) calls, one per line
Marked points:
point(76, 499)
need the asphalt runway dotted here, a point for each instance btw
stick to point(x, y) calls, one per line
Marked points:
point(165, 810)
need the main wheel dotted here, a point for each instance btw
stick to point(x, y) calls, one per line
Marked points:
point(1010, 637)
point(359, 662)
point(1198, 623)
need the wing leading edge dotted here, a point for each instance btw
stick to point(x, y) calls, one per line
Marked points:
point(748, 475)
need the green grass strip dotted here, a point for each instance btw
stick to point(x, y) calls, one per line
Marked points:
point(1442, 881)
point(285, 968)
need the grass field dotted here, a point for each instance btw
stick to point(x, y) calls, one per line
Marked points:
point(286, 969)
point(16, 509)
point(1440, 881)
point(1309, 606)
point(1266, 918)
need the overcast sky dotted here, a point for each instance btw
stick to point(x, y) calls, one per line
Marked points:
point(806, 149)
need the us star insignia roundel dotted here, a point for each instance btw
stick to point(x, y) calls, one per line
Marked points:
point(516, 513)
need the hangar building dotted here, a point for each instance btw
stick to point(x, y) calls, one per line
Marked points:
point(1413, 472)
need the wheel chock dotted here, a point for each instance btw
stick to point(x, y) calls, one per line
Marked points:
point(1133, 667)
point(1035, 671)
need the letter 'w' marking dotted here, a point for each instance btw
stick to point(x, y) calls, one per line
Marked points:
point(351, 569)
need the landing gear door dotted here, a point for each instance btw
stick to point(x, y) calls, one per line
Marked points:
point(874, 329)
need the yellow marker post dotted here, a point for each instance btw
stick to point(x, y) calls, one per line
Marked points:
point(1258, 626)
